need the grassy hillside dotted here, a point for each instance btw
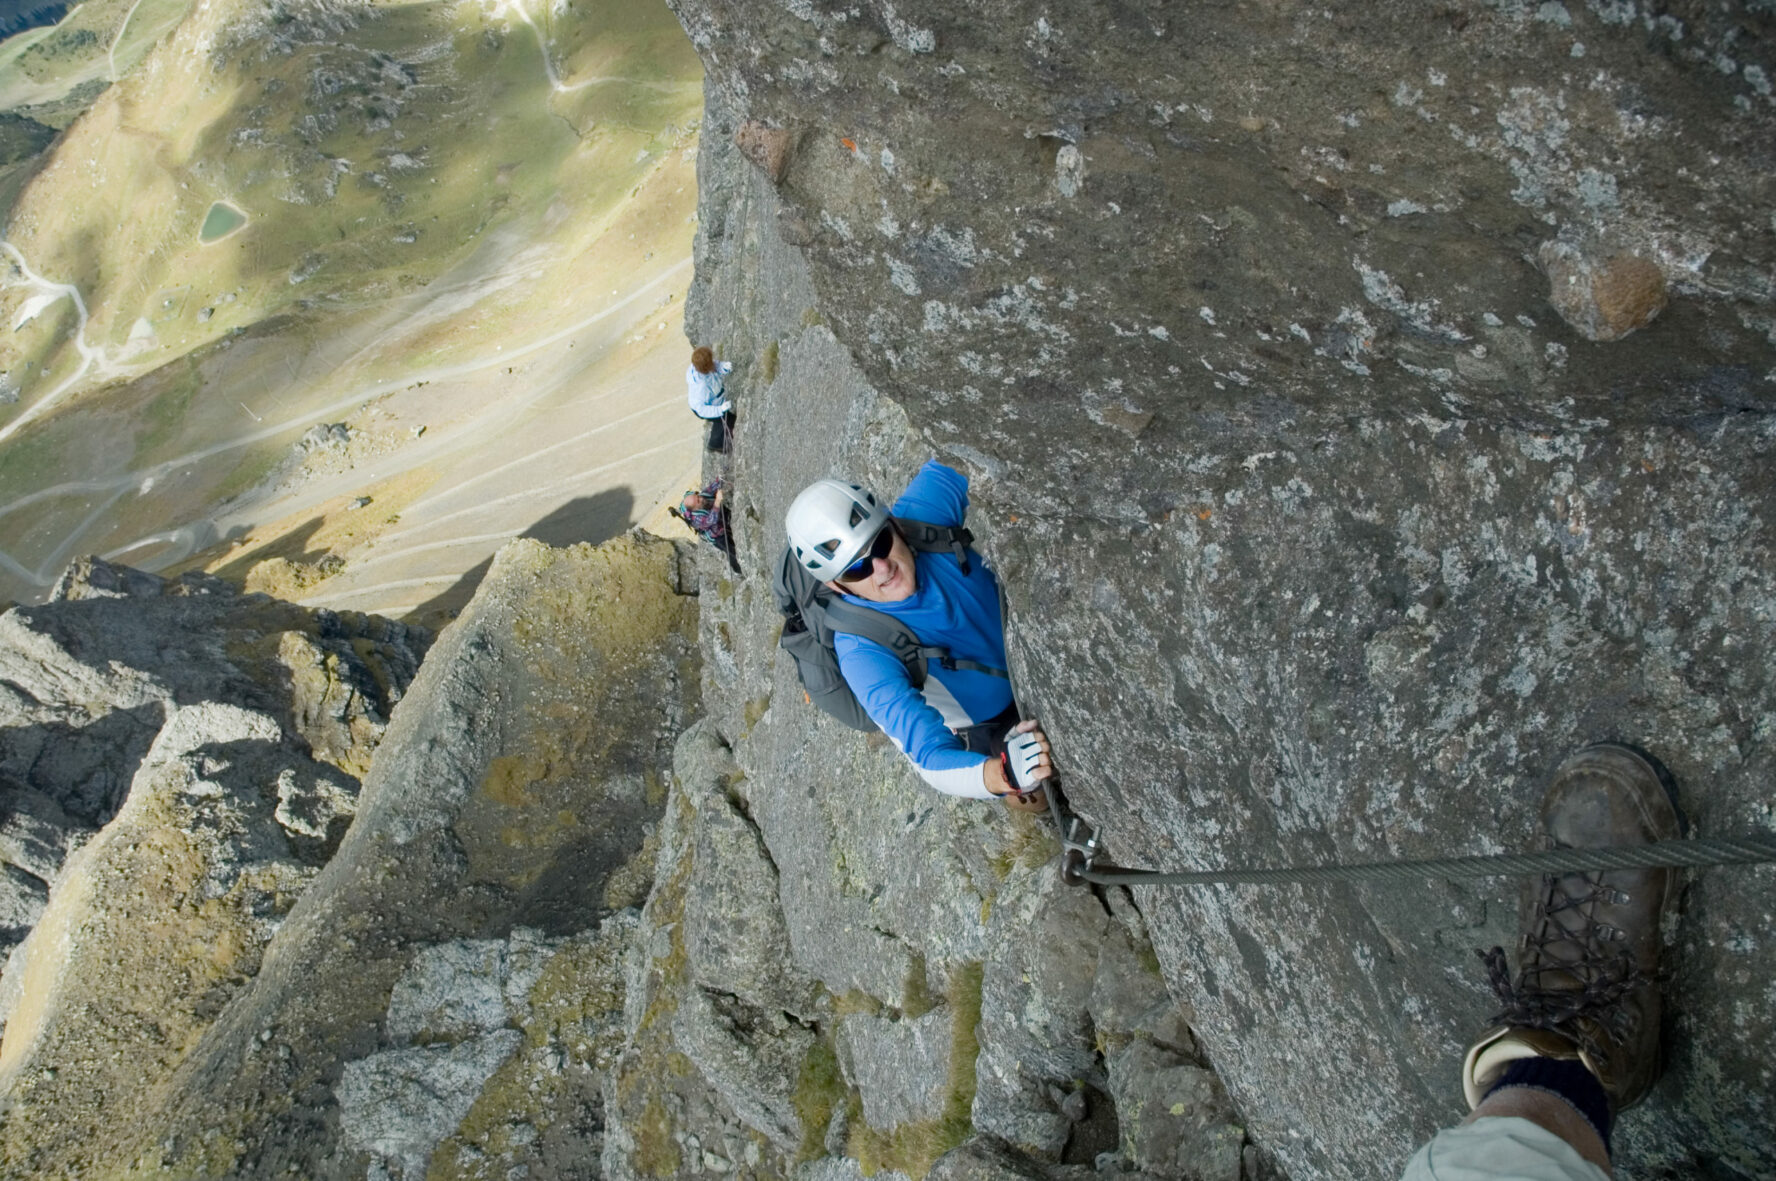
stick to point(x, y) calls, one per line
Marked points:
point(55, 72)
point(375, 149)
point(369, 145)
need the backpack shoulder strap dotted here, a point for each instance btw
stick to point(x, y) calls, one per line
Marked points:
point(899, 639)
point(885, 630)
point(923, 535)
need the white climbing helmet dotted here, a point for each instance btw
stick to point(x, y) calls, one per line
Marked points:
point(830, 524)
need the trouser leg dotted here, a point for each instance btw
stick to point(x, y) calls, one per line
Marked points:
point(1500, 1149)
point(718, 434)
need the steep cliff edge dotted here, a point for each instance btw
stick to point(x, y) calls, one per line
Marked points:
point(1363, 410)
point(177, 761)
point(1337, 496)
point(447, 986)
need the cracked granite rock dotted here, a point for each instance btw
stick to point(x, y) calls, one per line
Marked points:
point(750, 1056)
point(1035, 1027)
point(734, 935)
point(1174, 1116)
point(400, 1104)
point(899, 1068)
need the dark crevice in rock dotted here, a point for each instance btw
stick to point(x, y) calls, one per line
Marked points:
point(1095, 1126)
point(1098, 893)
point(743, 810)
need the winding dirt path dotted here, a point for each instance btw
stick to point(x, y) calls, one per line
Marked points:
point(111, 52)
point(188, 537)
point(89, 356)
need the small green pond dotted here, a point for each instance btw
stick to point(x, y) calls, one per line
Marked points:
point(222, 220)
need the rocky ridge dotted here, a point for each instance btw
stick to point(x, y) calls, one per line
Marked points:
point(93, 681)
point(177, 761)
point(445, 988)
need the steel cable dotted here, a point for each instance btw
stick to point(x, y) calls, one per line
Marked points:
point(1749, 850)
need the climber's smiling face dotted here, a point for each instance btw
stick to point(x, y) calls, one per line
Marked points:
point(890, 578)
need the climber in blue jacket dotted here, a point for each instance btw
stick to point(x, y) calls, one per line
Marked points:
point(956, 728)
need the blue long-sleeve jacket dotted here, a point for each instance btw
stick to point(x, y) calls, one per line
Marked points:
point(958, 611)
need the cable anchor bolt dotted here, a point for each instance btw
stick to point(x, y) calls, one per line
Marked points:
point(1079, 848)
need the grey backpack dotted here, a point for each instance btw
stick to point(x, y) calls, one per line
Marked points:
point(812, 614)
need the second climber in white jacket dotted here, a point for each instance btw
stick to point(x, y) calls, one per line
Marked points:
point(708, 395)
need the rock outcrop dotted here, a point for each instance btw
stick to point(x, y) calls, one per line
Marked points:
point(441, 995)
point(871, 978)
point(177, 761)
point(91, 684)
point(1329, 525)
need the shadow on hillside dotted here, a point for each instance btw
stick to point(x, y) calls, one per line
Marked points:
point(291, 546)
point(590, 519)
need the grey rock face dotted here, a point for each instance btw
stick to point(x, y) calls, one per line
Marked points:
point(94, 578)
point(1326, 535)
point(837, 1168)
point(22, 899)
point(87, 680)
point(899, 1068)
point(464, 1012)
point(713, 1054)
point(749, 1056)
point(456, 989)
point(986, 1159)
point(1129, 999)
point(735, 939)
point(36, 836)
point(400, 1104)
point(1035, 1028)
point(1174, 1116)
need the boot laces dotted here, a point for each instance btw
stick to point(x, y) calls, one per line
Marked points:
point(1569, 980)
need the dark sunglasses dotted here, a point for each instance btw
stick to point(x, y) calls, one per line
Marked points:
point(879, 548)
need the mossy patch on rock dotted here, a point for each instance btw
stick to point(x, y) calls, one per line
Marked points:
point(819, 1091)
point(912, 1148)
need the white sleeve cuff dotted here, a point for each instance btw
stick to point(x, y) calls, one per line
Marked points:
point(970, 783)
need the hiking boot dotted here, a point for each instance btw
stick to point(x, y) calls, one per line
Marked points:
point(1587, 962)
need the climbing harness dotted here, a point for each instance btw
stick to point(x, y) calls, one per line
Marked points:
point(1079, 853)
